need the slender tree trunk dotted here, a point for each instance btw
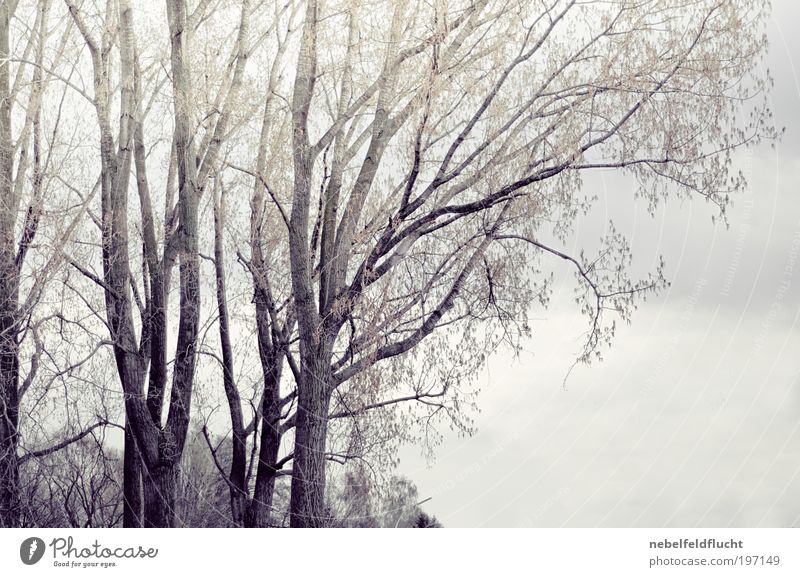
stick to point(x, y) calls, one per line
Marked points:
point(238, 470)
point(238, 491)
point(260, 506)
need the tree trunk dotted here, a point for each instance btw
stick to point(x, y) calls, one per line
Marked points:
point(158, 448)
point(238, 471)
point(237, 490)
point(308, 469)
point(9, 297)
point(9, 422)
point(260, 506)
point(132, 513)
point(10, 510)
point(160, 495)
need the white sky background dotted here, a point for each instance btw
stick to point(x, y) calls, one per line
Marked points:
point(693, 419)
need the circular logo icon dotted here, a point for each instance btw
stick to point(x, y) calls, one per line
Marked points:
point(31, 550)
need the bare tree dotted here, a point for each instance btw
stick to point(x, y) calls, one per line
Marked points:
point(458, 134)
point(142, 350)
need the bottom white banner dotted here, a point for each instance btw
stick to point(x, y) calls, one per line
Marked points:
point(121, 552)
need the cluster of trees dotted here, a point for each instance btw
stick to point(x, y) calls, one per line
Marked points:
point(81, 486)
point(294, 230)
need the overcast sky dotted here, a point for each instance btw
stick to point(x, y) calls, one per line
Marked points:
point(693, 419)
